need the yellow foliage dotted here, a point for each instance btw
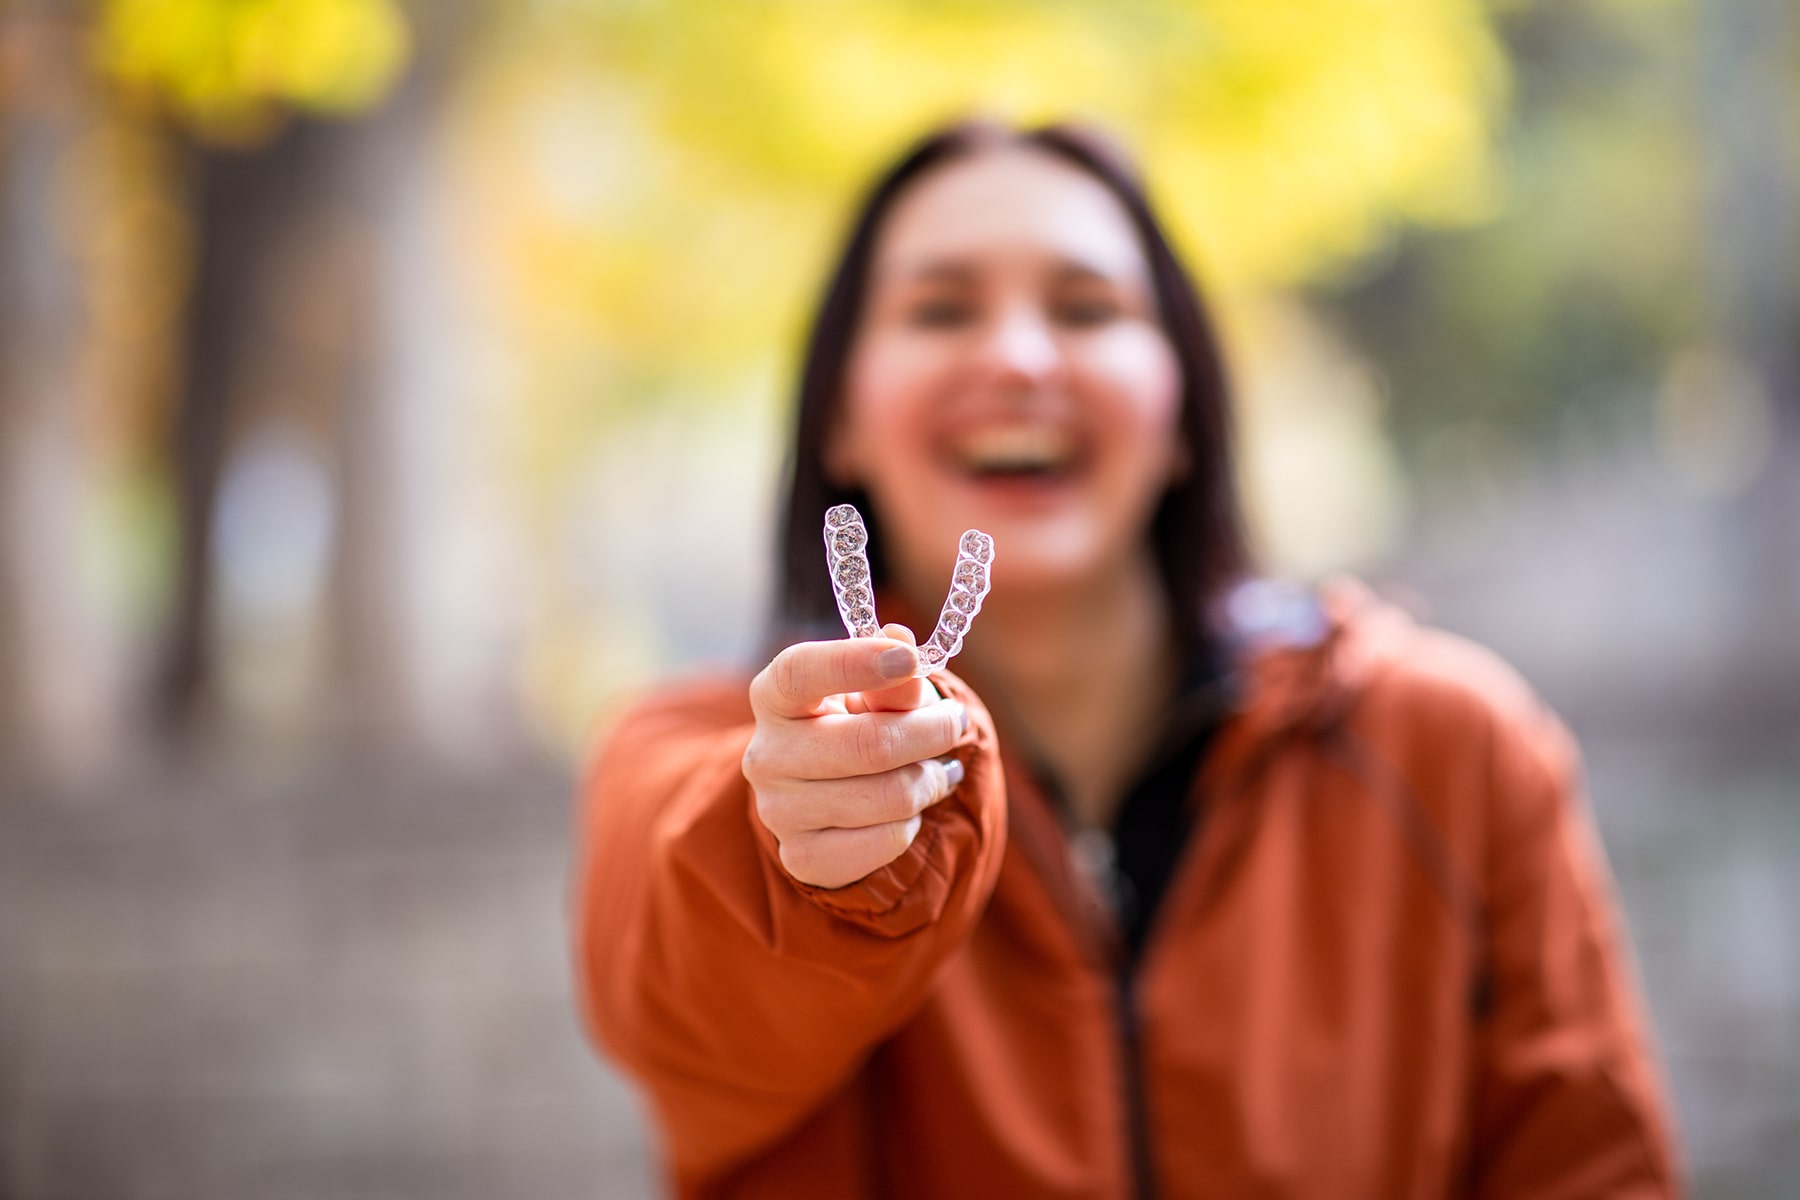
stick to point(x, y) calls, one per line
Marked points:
point(227, 65)
point(652, 190)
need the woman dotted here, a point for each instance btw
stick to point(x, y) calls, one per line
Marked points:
point(1173, 888)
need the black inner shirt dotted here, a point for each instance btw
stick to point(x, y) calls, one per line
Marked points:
point(1132, 864)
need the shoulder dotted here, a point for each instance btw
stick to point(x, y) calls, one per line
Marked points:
point(1432, 692)
point(1341, 659)
point(1433, 670)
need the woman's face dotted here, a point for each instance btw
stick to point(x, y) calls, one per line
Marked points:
point(1010, 374)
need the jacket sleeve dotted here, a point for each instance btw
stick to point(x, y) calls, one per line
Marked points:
point(739, 998)
point(1567, 1103)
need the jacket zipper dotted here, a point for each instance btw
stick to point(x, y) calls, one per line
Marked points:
point(1137, 1120)
point(1137, 1115)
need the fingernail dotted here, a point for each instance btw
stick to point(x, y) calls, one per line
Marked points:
point(896, 662)
point(962, 716)
point(953, 769)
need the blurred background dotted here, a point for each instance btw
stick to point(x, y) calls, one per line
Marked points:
point(389, 390)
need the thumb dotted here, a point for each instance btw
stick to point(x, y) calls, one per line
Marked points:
point(906, 695)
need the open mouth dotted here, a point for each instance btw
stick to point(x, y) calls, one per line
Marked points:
point(1041, 453)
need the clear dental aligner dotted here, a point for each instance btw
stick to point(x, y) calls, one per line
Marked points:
point(847, 557)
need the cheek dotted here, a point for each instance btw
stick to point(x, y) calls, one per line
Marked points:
point(1141, 380)
point(882, 382)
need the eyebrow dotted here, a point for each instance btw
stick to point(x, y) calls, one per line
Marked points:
point(950, 270)
point(959, 270)
point(1070, 269)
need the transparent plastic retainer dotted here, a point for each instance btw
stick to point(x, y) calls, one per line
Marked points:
point(847, 557)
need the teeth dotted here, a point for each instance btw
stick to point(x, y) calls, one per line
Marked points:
point(1015, 448)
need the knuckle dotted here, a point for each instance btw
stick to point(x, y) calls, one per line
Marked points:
point(901, 834)
point(785, 672)
point(929, 734)
point(755, 762)
point(941, 786)
point(874, 743)
point(796, 858)
point(872, 851)
point(919, 789)
point(898, 796)
point(769, 810)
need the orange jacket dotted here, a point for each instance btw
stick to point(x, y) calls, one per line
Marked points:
point(1390, 963)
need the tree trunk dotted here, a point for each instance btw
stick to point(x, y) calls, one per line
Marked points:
point(52, 685)
point(250, 207)
point(1750, 89)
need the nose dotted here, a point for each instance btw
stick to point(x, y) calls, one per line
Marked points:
point(1020, 348)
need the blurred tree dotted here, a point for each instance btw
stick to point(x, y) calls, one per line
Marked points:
point(1650, 211)
point(247, 205)
point(1565, 299)
point(46, 660)
point(248, 88)
point(1746, 416)
point(229, 70)
point(647, 183)
point(1749, 83)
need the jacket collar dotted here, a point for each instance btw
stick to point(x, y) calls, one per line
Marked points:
point(1304, 655)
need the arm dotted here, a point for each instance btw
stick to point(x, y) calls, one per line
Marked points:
point(1567, 1100)
point(739, 997)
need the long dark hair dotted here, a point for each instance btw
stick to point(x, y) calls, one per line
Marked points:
point(1197, 531)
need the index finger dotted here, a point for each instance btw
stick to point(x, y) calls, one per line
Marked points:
point(802, 676)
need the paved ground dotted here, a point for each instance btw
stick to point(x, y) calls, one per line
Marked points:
point(349, 981)
point(338, 983)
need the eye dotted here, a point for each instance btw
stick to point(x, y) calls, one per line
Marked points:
point(939, 313)
point(1087, 310)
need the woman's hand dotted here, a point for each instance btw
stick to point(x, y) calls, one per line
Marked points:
point(845, 757)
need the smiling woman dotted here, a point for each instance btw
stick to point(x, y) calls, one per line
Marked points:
point(1189, 885)
point(1011, 372)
